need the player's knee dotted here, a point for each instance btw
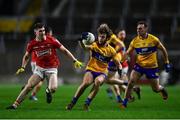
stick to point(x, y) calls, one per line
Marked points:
point(98, 82)
point(86, 83)
point(28, 87)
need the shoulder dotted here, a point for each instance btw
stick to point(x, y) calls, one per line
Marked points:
point(153, 37)
point(111, 49)
point(31, 42)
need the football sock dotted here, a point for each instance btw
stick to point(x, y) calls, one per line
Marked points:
point(74, 100)
point(119, 99)
point(125, 101)
point(88, 101)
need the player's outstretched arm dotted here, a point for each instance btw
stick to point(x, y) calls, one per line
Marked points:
point(165, 57)
point(164, 51)
point(77, 64)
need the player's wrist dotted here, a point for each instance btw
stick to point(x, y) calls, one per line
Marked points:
point(74, 60)
point(22, 67)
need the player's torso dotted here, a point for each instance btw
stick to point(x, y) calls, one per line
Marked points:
point(146, 50)
point(45, 53)
point(100, 56)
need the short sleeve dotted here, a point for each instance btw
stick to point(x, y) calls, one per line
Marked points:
point(56, 43)
point(29, 48)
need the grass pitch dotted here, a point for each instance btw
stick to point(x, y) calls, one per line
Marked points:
point(151, 105)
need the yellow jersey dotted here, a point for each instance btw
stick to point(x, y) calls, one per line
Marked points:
point(146, 50)
point(114, 41)
point(100, 57)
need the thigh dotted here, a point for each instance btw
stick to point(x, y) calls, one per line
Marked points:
point(52, 79)
point(34, 80)
point(135, 76)
point(101, 78)
point(111, 74)
point(88, 78)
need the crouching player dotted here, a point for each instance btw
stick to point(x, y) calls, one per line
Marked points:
point(96, 69)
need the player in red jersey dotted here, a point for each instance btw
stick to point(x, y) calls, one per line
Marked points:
point(47, 62)
point(33, 97)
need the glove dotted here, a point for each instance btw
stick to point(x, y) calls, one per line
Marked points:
point(168, 67)
point(84, 35)
point(78, 64)
point(20, 70)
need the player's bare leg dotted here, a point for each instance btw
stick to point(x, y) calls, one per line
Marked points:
point(52, 86)
point(35, 91)
point(33, 81)
point(156, 87)
point(87, 80)
point(113, 80)
point(134, 77)
point(97, 83)
point(117, 93)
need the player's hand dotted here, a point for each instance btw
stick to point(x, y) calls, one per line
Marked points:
point(20, 70)
point(84, 35)
point(78, 64)
point(168, 67)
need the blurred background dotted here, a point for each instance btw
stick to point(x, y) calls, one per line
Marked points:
point(69, 18)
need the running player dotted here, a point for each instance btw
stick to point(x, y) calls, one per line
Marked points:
point(96, 69)
point(48, 32)
point(146, 46)
point(47, 63)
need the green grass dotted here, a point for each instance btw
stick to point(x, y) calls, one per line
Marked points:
point(150, 106)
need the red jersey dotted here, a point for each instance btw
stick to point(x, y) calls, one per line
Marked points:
point(33, 57)
point(44, 52)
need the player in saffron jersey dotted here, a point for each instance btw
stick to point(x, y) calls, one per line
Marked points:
point(121, 35)
point(146, 46)
point(47, 63)
point(96, 69)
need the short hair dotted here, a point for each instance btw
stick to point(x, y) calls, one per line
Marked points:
point(48, 29)
point(143, 22)
point(38, 25)
point(104, 29)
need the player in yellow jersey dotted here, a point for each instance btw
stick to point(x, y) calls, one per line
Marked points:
point(96, 69)
point(113, 73)
point(146, 46)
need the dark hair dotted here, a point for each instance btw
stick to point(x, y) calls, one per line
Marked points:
point(104, 29)
point(48, 29)
point(143, 22)
point(118, 30)
point(38, 25)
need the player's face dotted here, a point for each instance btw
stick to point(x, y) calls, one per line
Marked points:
point(40, 32)
point(141, 30)
point(102, 38)
point(122, 35)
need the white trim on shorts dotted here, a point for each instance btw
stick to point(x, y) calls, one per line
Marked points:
point(42, 72)
point(33, 66)
point(125, 70)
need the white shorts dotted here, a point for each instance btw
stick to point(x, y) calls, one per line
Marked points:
point(125, 70)
point(33, 66)
point(42, 72)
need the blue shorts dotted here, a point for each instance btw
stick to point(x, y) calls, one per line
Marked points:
point(151, 73)
point(112, 66)
point(96, 74)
